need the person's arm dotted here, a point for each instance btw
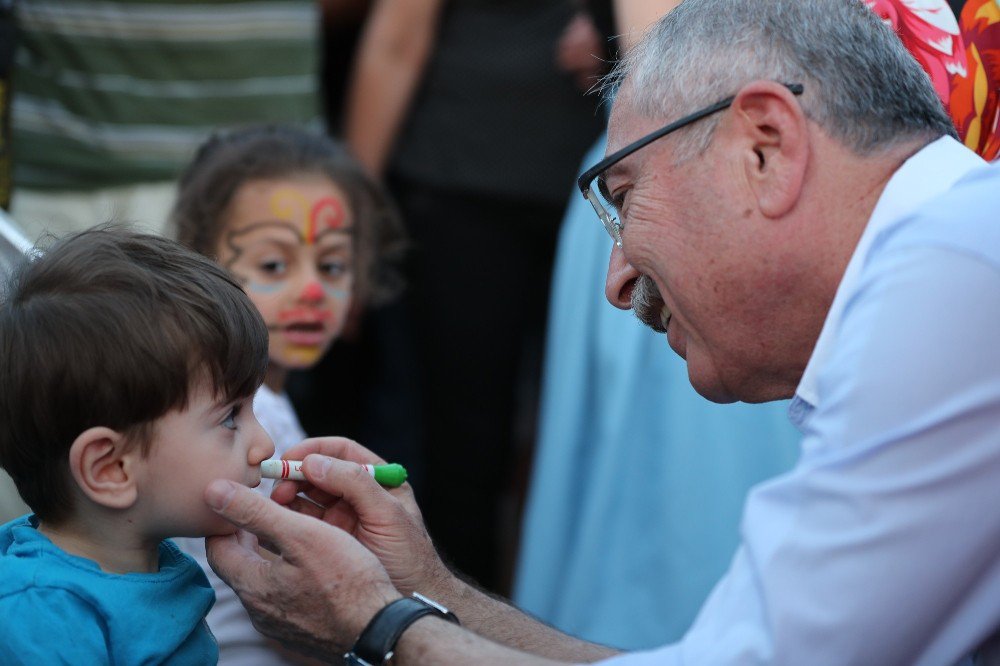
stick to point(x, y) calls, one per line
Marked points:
point(497, 620)
point(394, 49)
point(326, 586)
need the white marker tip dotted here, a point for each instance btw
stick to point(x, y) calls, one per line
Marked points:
point(282, 469)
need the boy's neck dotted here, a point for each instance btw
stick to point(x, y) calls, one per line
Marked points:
point(113, 549)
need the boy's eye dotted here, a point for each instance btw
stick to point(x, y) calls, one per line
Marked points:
point(274, 266)
point(230, 420)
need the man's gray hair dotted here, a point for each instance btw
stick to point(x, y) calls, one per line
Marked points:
point(861, 84)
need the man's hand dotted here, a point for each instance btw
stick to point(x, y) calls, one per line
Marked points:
point(386, 520)
point(318, 593)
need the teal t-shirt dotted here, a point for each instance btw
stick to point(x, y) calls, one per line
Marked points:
point(60, 608)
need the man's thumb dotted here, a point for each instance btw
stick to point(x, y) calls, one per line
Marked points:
point(246, 509)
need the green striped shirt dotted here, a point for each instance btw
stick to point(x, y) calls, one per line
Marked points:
point(122, 91)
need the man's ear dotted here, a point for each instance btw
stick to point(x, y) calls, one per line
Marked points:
point(774, 136)
point(101, 464)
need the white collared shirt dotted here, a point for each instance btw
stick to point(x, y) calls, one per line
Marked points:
point(882, 545)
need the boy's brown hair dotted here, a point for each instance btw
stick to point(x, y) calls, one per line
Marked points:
point(109, 327)
point(227, 160)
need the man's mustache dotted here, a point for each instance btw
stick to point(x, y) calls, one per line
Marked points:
point(646, 303)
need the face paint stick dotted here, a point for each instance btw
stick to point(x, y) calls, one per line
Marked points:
point(391, 475)
point(282, 469)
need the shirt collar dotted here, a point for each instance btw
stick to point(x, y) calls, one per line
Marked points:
point(930, 172)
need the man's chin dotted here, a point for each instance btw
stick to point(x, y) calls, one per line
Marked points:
point(677, 341)
point(711, 390)
point(706, 380)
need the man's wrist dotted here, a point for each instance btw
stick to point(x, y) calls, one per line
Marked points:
point(376, 643)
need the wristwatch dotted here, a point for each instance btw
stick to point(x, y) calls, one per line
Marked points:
point(377, 642)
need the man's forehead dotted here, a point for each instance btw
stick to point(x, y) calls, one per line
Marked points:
point(621, 120)
point(625, 126)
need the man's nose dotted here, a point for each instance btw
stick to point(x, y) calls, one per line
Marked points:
point(621, 280)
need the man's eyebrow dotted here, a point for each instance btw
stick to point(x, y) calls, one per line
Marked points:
point(616, 169)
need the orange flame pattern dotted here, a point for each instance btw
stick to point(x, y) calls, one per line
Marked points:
point(964, 66)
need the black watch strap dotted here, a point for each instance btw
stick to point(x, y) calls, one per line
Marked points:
point(378, 640)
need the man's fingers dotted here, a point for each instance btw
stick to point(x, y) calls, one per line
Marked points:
point(233, 559)
point(334, 447)
point(286, 492)
point(351, 482)
point(254, 513)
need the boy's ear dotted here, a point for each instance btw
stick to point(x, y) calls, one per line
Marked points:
point(102, 467)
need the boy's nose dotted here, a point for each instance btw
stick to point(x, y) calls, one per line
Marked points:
point(262, 448)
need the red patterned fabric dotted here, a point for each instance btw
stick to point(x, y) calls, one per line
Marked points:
point(962, 57)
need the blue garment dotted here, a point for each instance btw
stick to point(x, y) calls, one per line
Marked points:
point(638, 481)
point(58, 608)
point(882, 545)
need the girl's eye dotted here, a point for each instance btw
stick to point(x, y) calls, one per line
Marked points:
point(274, 266)
point(230, 420)
point(334, 268)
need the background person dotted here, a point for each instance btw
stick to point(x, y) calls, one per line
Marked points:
point(463, 108)
point(296, 220)
point(112, 98)
point(13, 245)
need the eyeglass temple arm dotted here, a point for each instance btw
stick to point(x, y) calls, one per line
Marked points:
point(583, 182)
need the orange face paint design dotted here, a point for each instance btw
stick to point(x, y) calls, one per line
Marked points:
point(327, 214)
point(290, 204)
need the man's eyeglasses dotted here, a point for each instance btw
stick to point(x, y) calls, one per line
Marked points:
point(596, 172)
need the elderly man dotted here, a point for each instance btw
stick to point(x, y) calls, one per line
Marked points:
point(790, 207)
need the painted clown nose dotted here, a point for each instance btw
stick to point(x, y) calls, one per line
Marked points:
point(312, 292)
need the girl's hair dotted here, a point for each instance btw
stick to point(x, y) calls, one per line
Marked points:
point(229, 159)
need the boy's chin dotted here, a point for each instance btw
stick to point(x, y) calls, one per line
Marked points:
point(217, 526)
point(222, 530)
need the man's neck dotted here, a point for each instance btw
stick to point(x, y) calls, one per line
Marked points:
point(847, 188)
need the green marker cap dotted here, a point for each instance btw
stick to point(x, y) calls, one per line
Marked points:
point(392, 474)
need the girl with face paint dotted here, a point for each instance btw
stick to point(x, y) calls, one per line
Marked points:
point(297, 221)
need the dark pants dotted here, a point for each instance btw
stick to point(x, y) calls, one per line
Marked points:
point(480, 271)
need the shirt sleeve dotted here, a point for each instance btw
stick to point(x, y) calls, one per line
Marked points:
point(51, 626)
point(881, 545)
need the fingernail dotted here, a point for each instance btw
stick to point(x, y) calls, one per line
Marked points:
point(319, 465)
point(219, 492)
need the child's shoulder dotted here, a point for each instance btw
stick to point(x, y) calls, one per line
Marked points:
point(60, 608)
point(44, 617)
point(31, 561)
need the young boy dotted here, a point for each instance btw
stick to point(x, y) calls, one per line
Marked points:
point(127, 367)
